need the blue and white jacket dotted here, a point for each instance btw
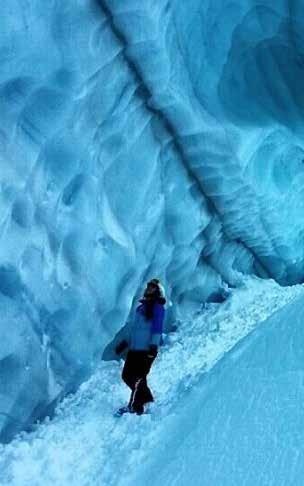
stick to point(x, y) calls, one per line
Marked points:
point(145, 331)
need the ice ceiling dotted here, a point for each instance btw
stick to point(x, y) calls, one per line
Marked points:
point(138, 138)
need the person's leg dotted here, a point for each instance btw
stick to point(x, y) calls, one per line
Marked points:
point(136, 403)
point(128, 371)
point(146, 392)
point(141, 393)
point(129, 375)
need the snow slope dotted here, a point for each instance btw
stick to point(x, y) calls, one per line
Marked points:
point(243, 422)
point(85, 446)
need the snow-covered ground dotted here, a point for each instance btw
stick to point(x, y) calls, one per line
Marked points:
point(84, 445)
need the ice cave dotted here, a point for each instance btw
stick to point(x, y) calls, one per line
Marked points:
point(142, 139)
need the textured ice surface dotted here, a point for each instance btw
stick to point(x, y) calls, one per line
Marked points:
point(85, 445)
point(137, 139)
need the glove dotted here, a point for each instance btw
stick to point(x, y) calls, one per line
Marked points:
point(121, 347)
point(152, 353)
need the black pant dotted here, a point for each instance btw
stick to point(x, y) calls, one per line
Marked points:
point(134, 374)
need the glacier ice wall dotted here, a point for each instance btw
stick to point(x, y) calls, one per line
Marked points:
point(137, 139)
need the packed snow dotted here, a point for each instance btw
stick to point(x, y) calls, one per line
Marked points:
point(85, 445)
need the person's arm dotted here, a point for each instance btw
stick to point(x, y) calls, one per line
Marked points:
point(157, 328)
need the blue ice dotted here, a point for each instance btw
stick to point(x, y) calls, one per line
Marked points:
point(138, 139)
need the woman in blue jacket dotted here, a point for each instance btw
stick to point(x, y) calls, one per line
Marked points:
point(143, 346)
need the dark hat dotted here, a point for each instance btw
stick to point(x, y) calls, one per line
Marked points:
point(155, 282)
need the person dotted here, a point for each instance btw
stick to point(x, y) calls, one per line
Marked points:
point(143, 344)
